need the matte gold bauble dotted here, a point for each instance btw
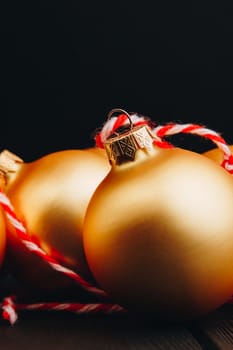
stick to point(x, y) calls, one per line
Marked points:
point(50, 197)
point(158, 231)
point(216, 154)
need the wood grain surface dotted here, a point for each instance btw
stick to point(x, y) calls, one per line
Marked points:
point(62, 330)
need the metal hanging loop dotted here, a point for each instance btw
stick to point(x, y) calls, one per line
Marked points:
point(121, 111)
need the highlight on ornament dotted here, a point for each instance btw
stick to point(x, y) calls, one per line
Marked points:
point(134, 221)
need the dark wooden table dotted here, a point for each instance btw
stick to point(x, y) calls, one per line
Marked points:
point(50, 330)
point(63, 330)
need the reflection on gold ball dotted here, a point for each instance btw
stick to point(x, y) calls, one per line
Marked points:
point(50, 196)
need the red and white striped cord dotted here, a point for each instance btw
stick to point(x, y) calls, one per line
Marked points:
point(33, 247)
point(168, 129)
point(171, 129)
point(10, 308)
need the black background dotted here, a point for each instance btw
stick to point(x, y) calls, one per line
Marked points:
point(64, 65)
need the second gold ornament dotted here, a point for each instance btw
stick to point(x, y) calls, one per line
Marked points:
point(158, 231)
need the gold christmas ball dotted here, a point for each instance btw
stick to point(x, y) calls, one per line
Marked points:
point(216, 154)
point(158, 230)
point(50, 196)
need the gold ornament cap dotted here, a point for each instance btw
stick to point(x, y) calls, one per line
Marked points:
point(123, 147)
point(8, 162)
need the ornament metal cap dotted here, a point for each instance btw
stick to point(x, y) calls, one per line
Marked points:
point(8, 162)
point(123, 147)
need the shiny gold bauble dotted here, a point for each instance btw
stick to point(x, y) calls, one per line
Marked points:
point(158, 231)
point(50, 197)
point(216, 154)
